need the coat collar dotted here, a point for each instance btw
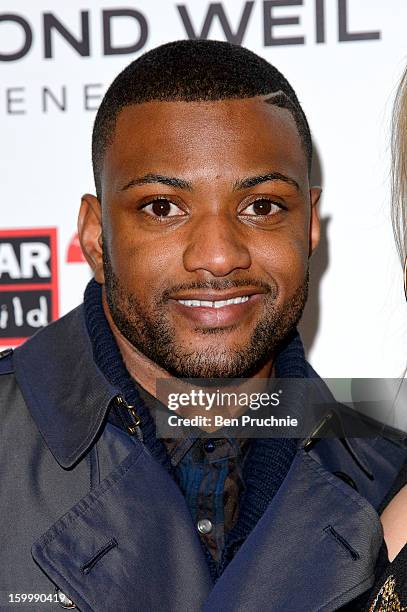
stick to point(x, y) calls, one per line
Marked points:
point(67, 394)
point(69, 397)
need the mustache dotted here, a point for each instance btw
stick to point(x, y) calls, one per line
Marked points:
point(222, 284)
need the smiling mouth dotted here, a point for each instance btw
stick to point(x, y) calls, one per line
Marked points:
point(214, 304)
point(218, 309)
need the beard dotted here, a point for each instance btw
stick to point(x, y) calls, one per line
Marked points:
point(148, 328)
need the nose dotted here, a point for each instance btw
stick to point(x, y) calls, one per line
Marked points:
point(217, 246)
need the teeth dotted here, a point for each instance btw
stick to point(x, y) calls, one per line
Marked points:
point(216, 303)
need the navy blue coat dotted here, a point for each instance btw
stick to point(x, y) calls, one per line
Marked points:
point(86, 510)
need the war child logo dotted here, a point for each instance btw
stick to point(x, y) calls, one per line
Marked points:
point(28, 282)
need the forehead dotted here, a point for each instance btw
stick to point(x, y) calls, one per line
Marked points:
point(198, 140)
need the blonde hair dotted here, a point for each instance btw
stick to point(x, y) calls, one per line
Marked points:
point(399, 167)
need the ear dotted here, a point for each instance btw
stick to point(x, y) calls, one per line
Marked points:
point(90, 234)
point(315, 226)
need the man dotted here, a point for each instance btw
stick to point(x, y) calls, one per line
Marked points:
point(199, 238)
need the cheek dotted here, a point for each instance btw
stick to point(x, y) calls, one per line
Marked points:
point(285, 259)
point(138, 266)
point(142, 264)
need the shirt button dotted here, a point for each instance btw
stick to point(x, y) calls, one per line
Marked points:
point(204, 526)
point(64, 600)
point(209, 446)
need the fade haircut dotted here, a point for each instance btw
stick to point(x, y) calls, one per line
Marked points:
point(191, 71)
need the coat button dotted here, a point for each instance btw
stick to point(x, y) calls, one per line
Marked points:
point(204, 526)
point(64, 600)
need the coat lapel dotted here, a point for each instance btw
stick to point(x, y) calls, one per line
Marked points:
point(128, 545)
point(316, 545)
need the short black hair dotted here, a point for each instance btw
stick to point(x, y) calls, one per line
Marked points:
point(193, 70)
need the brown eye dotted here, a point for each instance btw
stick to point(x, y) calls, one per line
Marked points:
point(262, 208)
point(161, 207)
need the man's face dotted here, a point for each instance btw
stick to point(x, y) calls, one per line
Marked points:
point(204, 203)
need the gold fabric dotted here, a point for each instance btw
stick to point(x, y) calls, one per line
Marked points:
point(387, 599)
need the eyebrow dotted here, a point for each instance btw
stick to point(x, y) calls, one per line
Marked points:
point(252, 181)
point(171, 181)
point(238, 185)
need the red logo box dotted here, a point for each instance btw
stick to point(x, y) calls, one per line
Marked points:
point(28, 282)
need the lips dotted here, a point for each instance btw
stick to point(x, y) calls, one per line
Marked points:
point(216, 309)
point(217, 295)
point(214, 304)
